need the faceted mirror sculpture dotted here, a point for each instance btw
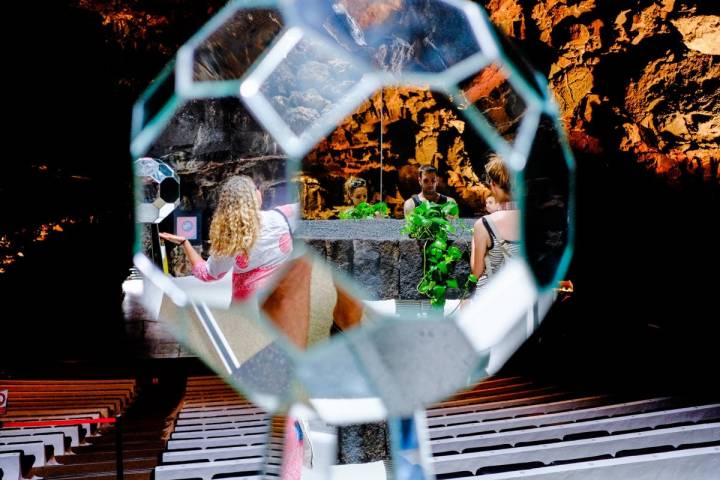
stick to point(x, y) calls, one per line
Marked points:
point(376, 94)
point(159, 190)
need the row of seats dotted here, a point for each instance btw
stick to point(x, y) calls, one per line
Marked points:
point(218, 433)
point(514, 428)
point(24, 450)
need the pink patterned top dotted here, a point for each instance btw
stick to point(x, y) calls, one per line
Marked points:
point(272, 248)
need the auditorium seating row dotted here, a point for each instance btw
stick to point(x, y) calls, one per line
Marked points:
point(512, 428)
point(506, 427)
point(25, 450)
point(218, 432)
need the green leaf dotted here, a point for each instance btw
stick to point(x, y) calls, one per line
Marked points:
point(437, 302)
point(442, 266)
point(439, 292)
point(440, 245)
point(454, 252)
point(472, 278)
point(452, 283)
point(450, 208)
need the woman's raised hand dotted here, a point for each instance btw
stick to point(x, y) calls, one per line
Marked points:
point(176, 239)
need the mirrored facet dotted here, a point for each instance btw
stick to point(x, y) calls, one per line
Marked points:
point(402, 361)
point(547, 207)
point(153, 110)
point(310, 303)
point(228, 51)
point(337, 385)
point(396, 36)
point(302, 88)
point(490, 93)
point(411, 457)
point(210, 143)
point(528, 81)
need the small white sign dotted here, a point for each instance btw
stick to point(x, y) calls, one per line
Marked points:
point(3, 401)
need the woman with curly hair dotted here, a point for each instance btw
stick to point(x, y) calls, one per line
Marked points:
point(250, 241)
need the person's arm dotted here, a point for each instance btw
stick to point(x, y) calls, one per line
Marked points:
point(480, 244)
point(190, 252)
point(408, 207)
point(292, 214)
point(213, 269)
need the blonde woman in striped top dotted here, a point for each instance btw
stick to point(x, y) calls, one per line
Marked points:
point(496, 235)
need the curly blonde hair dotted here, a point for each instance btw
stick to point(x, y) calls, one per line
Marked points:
point(235, 224)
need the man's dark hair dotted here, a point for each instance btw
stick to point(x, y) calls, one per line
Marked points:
point(426, 169)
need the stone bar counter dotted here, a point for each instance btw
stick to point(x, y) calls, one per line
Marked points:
point(386, 263)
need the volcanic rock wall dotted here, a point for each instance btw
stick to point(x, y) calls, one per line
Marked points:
point(419, 127)
point(639, 76)
point(206, 142)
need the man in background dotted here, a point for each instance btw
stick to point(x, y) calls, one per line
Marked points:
point(427, 177)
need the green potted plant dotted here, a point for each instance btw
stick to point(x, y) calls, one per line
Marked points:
point(438, 227)
point(364, 210)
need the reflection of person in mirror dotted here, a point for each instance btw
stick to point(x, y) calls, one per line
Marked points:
point(428, 179)
point(491, 205)
point(356, 191)
point(495, 235)
point(250, 241)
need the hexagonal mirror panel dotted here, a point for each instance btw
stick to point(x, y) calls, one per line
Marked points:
point(429, 37)
point(302, 88)
point(221, 53)
point(548, 203)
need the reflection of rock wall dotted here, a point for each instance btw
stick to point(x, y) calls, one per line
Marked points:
point(384, 262)
point(419, 127)
point(210, 140)
point(648, 67)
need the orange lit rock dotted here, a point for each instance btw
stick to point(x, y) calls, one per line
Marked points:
point(508, 16)
point(701, 33)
